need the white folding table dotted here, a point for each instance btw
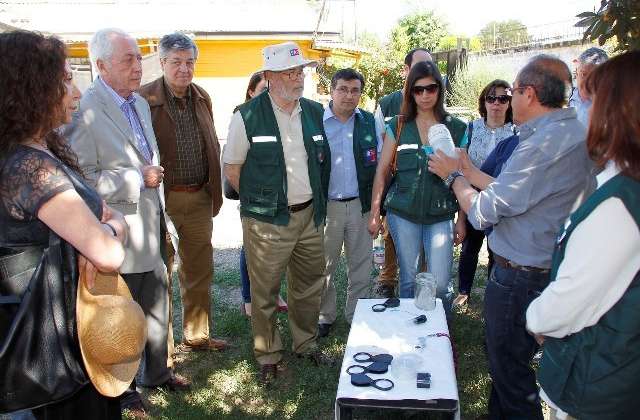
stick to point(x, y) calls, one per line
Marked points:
point(389, 332)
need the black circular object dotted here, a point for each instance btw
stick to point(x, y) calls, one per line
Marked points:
point(377, 382)
point(379, 307)
point(356, 370)
point(364, 357)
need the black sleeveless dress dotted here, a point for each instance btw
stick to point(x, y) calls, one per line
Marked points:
point(29, 178)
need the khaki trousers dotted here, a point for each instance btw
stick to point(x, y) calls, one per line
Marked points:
point(389, 273)
point(191, 214)
point(271, 249)
point(346, 225)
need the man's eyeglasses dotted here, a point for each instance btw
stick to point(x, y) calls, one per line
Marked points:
point(430, 88)
point(343, 90)
point(178, 63)
point(519, 88)
point(294, 73)
point(491, 99)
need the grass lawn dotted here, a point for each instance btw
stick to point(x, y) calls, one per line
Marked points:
point(225, 384)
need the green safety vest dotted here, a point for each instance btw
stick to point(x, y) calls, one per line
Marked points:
point(417, 194)
point(595, 373)
point(390, 104)
point(263, 178)
point(365, 153)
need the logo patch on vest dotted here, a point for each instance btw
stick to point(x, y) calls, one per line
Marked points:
point(370, 156)
point(294, 52)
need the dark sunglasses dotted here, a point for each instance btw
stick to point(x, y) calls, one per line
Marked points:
point(503, 99)
point(418, 89)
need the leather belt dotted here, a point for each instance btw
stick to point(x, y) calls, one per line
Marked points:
point(505, 263)
point(186, 188)
point(344, 200)
point(297, 207)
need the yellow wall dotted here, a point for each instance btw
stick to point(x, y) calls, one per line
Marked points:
point(233, 58)
point(81, 49)
point(218, 57)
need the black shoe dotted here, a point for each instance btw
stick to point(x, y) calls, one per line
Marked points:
point(323, 329)
point(318, 358)
point(385, 291)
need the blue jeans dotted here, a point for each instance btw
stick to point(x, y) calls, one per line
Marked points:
point(437, 240)
point(510, 348)
point(245, 285)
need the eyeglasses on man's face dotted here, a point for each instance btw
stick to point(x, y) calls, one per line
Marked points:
point(501, 99)
point(294, 74)
point(420, 89)
point(343, 90)
point(520, 88)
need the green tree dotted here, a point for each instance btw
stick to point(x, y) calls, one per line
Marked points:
point(450, 42)
point(381, 68)
point(423, 29)
point(615, 18)
point(503, 34)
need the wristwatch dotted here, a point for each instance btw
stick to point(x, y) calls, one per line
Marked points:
point(448, 181)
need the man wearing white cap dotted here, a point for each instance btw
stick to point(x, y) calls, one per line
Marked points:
point(278, 159)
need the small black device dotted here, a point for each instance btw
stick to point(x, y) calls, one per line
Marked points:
point(424, 380)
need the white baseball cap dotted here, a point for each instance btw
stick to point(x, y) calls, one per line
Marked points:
point(285, 56)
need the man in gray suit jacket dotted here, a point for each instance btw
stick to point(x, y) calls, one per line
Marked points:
point(113, 137)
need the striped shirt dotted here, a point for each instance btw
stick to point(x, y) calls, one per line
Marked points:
point(126, 105)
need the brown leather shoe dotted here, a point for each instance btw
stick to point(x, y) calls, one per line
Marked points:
point(268, 373)
point(176, 383)
point(211, 344)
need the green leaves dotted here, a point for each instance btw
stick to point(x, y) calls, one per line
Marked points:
point(615, 18)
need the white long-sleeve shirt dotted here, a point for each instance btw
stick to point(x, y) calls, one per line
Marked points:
point(601, 259)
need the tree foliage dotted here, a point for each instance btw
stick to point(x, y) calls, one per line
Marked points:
point(615, 18)
point(424, 29)
point(382, 65)
point(499, 34)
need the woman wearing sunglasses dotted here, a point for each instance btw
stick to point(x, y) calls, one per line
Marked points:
point(493, 126)
point(420, 207)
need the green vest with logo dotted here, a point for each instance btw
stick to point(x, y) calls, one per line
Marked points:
point(595, 373)
point(263, 178)
point(390, 104)
point(417, 194)
point(365, 153)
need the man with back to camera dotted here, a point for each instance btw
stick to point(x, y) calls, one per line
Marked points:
point(548, 176)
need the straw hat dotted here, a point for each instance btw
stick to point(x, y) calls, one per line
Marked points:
point(112, 333)
point(285, 56)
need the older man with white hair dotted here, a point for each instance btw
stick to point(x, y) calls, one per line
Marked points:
point(113, 137)
point(584, 65)
point(278, 159)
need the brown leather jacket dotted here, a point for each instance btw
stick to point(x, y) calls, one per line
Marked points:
point(165, 130)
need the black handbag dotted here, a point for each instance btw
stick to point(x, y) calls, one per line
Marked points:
point(40, 360)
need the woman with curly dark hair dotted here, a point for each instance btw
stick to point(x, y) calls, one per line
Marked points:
point(42, 190)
